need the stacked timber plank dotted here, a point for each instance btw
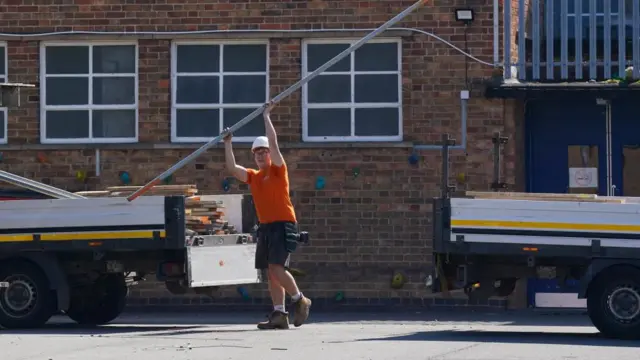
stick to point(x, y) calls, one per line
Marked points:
point(202, 216)
point(160, 190)
point(207, 216)
point(545, 197)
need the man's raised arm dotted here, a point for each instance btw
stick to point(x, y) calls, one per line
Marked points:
point(234, 169)
point(276, 156)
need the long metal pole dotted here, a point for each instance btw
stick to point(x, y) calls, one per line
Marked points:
point(37, 186)
point(277, 99)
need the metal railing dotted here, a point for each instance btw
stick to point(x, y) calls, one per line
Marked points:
point(571, 39)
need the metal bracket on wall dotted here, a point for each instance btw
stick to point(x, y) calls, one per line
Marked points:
point(498, 140)
point(446, 188)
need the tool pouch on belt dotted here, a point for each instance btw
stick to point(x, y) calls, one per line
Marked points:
point(259, 231)
point(290, 236)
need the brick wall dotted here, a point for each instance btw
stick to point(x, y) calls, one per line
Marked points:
point(363, 228)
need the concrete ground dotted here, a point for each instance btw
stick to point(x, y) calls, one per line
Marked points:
point(406, 336)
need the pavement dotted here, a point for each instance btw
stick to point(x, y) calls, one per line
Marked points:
point(387, 336)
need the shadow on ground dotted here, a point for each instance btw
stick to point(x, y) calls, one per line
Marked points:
point(510, 337)
point(67, 328)
point(184, 323)
point(506, 318)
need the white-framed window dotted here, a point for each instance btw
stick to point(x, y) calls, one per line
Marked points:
point(89, 92)
point(4, 69)
point(357, 99)
point(216, 84)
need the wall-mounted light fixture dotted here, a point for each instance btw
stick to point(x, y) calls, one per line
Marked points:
point(465, 15)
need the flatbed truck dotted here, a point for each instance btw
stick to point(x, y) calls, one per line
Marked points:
point(484, 242)
point(80, 256)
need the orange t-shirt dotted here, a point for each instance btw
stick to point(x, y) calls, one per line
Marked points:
point(270, 191)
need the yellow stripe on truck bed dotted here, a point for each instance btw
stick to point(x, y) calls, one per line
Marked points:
point(539, 225)
point(89, 235)
point(16, 238)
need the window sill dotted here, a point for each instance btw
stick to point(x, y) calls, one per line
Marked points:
point(165, 146)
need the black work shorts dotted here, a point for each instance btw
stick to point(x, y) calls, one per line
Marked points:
point(276, 241)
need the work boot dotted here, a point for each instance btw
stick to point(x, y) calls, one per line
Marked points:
point(301, 314)
point(276, 320)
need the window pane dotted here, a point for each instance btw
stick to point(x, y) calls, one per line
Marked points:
point(254, 128)
point(329, 122)
point(244, 89)
point(244, 58)
point(3, 120)
point(318, 54)
point(198, 90)
point(113, 59)
point(329, 89)
point(198, 58)
point(197, 123)
point(376, 88)
point(67, 91)
point(377, 122)
point(3, 53)
point(114, 123)
point(67, 124)
point(114, 90)
point(67, 59)
point(377, 57)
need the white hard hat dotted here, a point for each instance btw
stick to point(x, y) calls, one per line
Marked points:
point(260, 142)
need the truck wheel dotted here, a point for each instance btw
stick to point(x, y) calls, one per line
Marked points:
point(99, 303)
point(613, 303)
point(28, 301)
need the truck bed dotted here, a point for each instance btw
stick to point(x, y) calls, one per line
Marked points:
point(89, 251)
point(567, 225)
point(147, 235)
point(150, 222)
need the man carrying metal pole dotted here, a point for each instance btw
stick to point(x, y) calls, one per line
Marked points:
point(277, 99)
point(278, 230)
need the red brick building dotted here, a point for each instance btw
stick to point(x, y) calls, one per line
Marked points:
point(146, 82)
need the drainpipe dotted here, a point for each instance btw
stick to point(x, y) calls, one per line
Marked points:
point(611, 187)
point(98, 166)
point(496, 32)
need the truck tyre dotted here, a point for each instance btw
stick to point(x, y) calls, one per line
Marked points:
point(100, 302)
point(613, 303)
point(28, 301)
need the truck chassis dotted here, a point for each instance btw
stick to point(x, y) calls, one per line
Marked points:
point(80, 256)
point(484, 242)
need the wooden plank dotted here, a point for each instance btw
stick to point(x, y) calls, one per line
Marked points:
point(151, 193)
point(206, 213)
point(543, 196)
point(521, 194)
point(94, 193)
point(157, 188)
point(200, 219)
